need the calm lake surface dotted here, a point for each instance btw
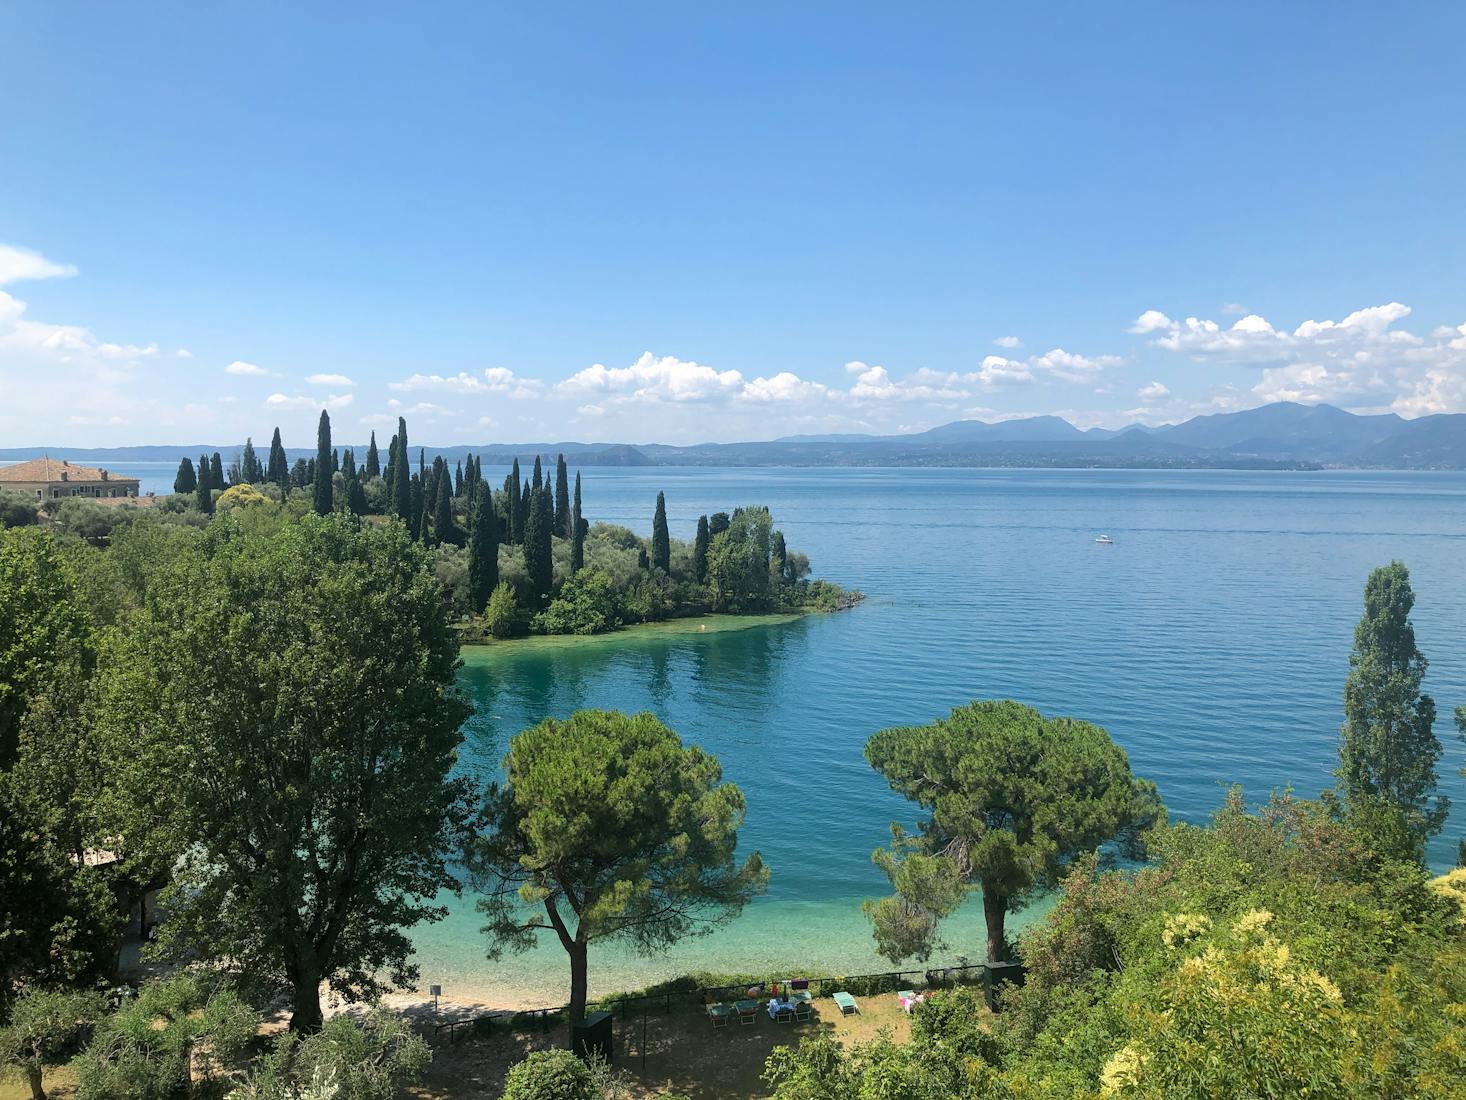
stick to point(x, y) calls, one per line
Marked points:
point(1211, 640)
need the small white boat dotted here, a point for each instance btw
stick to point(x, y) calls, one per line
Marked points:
point(1105, 540)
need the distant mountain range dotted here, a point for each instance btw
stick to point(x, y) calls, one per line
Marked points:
point(1282, 435)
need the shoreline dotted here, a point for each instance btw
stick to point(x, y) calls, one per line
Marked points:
point(689, 626)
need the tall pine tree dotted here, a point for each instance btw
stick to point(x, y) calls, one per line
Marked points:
point(401, 477)
point(203, 494)
point(1389, 749)
point(356, 497)
point(249, 465)
point(348, 464)
point(700, 550)
point(537, 482)
point(516, 514)
point(539, 562)
point(185, 481)
point(279, 468)
point(216, 473)
point(443, 529)
point(577, 532)
point(324, 466)
point(483, 554)
point(562, 499)
point(373, 461)
point(661, 541)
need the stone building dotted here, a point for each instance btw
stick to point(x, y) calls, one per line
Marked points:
point(43, 479)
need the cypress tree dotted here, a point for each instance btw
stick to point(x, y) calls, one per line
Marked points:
point(373, 461)
point(216, 473)
point(185, 481)
point(524, 502)
point(562, 499)
point(516, 514)
point(279, 468)
point(424, 508)
point(537, 482)
point(401, 479)
point(356, 497)
point(539, 562)
point(310, 474)
point(335, 462)
point(348, 464)
point(249, 465)
point(661, 541)
point(642, 561)
point(1389, 750)
point(443, 526)
point(324, 466)
point(203, 494)
point(483, 554)
point(422, 470)
point(717, 524)
point(577, 532)
point(458, 479)
point(700, 550)
point(779, 557)
point(300, 474)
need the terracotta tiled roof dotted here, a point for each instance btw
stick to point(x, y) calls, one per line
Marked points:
point(51, 469)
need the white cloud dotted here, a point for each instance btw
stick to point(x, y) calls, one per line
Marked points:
point(499, 381)
point(784, 386)
point(329, 380)
point(183, 353)
point(302, 401)
point(664, 379)
point(1071, 367)
point(1008, 342)
point(1153, 391)
point(244, 369)
point(1234, 308)
point(19, 264)
point(997, 371)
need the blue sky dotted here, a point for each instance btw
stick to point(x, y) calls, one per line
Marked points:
point(679, 223)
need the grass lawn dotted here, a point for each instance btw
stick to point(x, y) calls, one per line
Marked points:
point(59, 1083)
point(684, 1054)
point(670, 628)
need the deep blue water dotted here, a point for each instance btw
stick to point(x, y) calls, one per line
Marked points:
point(1211, 640)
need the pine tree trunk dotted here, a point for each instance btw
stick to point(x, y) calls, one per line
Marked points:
point(995, 912)
point(33, 1075)
point(578, 967)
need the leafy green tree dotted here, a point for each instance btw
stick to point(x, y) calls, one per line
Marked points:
point(700, 550)
point(502, 615)
point(577, 531)
point(617, 831)
point(300, 473)
point(356, 500)
point(185, 481)
point(1011, 798)
point(216, 473)
point(45, 1028)
point(277, 469)
point(586, 604)
point(203, 487)
point(402, 477)
point(16, 510)
point(322, 499)
point(42, 623)
point(483, 555)
point(738, 563)
point(373, 460)
point(282, 715)
point(551, 1075)
point(661, 541)
point(539, 562)
point(717, 524)
point(1389, 750)
point(348, 1059)
point(562, 499)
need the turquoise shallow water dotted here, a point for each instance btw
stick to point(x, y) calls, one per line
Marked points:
point(1211, 639)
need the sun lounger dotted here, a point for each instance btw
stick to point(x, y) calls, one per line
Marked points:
point(803, 1010)
point(847, 1003)
point(719, 1014)
point(908, 999)
point(747, 1011)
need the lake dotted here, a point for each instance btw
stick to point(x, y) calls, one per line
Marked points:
point(1211, 640)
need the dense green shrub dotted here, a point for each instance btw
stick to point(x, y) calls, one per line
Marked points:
point(503, 615)
point(587, 604)
point(16, 510)
point(550, 1075)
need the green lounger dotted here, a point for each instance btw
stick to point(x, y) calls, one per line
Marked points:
point(847, 1003)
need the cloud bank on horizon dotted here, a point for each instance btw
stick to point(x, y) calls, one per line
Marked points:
point(99, 391)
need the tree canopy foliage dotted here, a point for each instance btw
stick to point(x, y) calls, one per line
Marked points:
point(607, 827)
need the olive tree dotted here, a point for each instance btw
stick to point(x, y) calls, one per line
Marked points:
point(1011, 797)
point(607, 827)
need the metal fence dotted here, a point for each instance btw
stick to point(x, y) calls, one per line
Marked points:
point(626, 1006)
